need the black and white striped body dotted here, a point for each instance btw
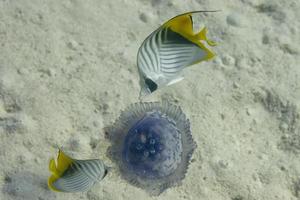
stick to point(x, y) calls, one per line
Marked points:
point(164, 54)
point(81, 176)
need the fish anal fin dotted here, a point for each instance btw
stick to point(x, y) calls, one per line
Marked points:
point(51, 180)
point(209, 55)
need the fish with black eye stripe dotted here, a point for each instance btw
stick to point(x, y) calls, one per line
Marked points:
point(71, 175)
point(168, 50)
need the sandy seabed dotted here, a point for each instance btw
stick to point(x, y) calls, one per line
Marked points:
point(67, 69)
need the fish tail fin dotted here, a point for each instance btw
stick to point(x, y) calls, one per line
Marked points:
point(63, 162)
point(202, 36)
point(58, 168)
point(54, 176)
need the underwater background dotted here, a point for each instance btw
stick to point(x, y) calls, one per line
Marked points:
point(68, 68)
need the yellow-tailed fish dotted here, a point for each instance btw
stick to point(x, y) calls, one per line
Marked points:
point(70, 175)
point(170, 48)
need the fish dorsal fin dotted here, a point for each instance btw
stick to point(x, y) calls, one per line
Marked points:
point(181, 24)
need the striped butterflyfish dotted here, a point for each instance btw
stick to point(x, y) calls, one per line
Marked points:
point(70, 175)
point(169, 49)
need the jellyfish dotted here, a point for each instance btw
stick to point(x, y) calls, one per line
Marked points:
point(151, 143)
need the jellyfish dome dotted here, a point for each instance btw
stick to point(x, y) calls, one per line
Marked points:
point(152, 145)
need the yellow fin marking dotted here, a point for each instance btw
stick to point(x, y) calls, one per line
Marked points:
point(51, 180)
point(183, 25)
point(52, 166)
point(63, 163)
point(202, 36)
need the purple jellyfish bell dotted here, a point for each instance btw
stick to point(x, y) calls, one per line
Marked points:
point(152, 145)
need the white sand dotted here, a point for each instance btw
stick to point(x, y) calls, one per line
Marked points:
point(67, 69)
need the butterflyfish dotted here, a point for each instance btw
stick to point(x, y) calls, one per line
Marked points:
point(71, 175)
point(169, 49)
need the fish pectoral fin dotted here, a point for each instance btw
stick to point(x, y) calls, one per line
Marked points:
point(175, 80)
point(202, 36)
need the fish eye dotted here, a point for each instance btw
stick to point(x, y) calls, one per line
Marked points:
point(151, 84)
point(105, 172)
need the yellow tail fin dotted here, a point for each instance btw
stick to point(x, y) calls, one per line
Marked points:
point(63, 162)
point(202, 36)
point(57, 169)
